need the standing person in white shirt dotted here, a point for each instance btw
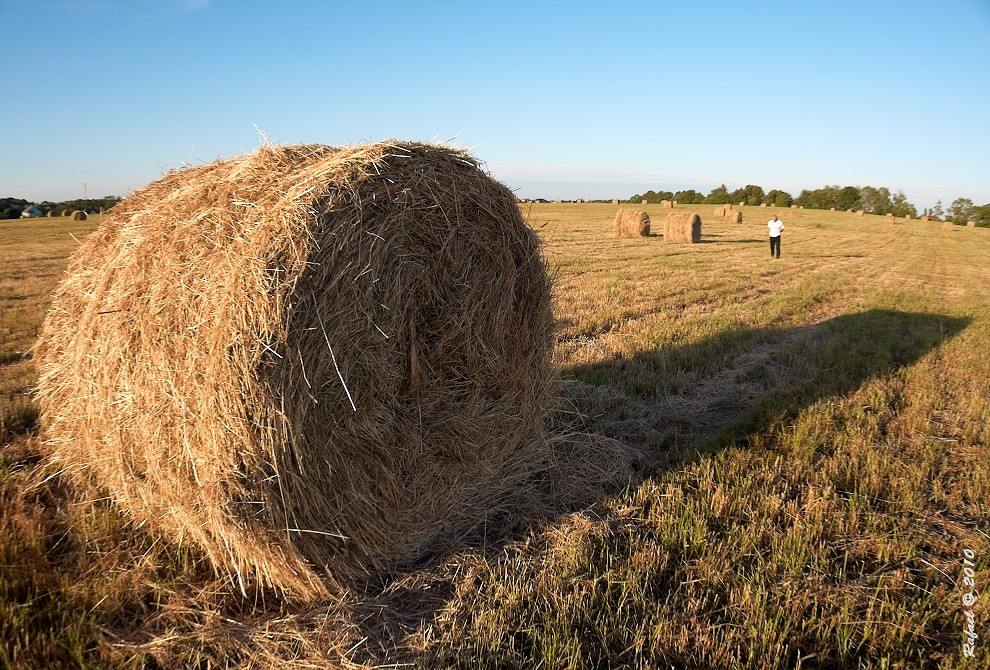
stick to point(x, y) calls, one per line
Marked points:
point(776, 227)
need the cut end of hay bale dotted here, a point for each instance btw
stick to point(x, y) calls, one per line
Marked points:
point(682, 228)
point(79, 215)
point(632, 223)
point(343, 397)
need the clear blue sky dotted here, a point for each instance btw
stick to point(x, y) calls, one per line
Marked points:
point(560, 99)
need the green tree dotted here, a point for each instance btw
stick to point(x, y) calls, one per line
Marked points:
point(961, 210)
point(750, 194)
point(937, 210)
point(874, 200)
point(778, 198)
point(689, 197)
point(718, 196)
point(899, 205)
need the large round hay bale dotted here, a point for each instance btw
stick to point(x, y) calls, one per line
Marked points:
point(831, 209)
point(889, 218)
point(632, 223)
point(79, 215)
point(971, 224)
point(673, 203)
point(721, 210)
point(52, 213)
point(733, 217)
point(308, 361)
point(948, 225)
point(682, 228)
point(859, 212)
point(66, 212)
point(785, 213)
point(643, 201)
point(615, 201)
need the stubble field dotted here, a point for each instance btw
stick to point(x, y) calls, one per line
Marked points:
point(798, 467)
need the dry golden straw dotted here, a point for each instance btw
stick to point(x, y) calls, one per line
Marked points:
point(971, 224)
point(948, 225)
point(733, 217)
point(615, 201)
point(308, 361)
point(682, 228)
point(79, 215)
point(632, 223)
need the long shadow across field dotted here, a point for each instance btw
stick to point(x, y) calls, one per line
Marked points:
point(702, 395)
point(660, 409)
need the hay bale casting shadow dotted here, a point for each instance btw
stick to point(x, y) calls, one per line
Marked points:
point(308, 361)
point(682, 228)
point(632, 223)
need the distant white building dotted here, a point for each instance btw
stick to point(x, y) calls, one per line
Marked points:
point(31, 212)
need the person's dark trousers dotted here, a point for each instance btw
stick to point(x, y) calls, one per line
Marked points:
point(775, 246)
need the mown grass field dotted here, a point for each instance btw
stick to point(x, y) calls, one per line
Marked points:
point(805, 465)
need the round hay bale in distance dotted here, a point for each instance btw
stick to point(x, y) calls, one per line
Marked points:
point(615, 201)
point(971, 224)
point(79, 215)
point(643, 201)
point(948, 225)
point(308, 361)
point(682, 228)
point(632, 223)
point(733, 217)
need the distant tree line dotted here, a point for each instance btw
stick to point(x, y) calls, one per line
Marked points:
point(750, 194)
point(870, 199)
point(11, 208)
